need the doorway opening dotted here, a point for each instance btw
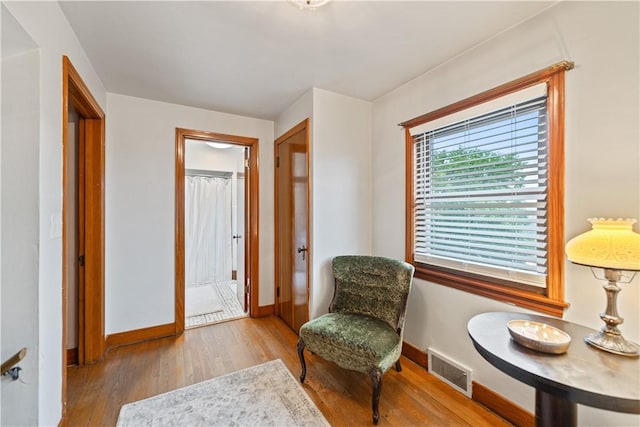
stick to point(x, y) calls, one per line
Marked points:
point(216, 228)
point(83, 172)
point(214, 232)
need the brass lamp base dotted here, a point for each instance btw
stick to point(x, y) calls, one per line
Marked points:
point(613, 344)
point(609, 338)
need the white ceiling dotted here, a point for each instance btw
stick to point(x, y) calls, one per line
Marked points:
point(255, 58)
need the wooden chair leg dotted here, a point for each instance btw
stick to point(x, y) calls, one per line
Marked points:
point(398, 366)
point(376, 379)
point(300, 347)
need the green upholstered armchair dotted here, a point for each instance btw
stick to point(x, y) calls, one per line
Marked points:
point(363, 329)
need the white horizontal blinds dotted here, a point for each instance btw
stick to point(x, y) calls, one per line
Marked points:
point(480, 194)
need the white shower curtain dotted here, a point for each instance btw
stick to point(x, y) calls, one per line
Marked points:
point(207, 230)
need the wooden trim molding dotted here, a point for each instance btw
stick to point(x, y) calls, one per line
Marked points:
point(252, 241)
point(76, 94)
point(139, 335)
point(265, 310)
point(549, 300)
point(519, 297)
point(179, 269)
point(94, 217)
point(555, 202)
point(502, 406)
point(304, 125)
point(72, 356)
point(529, 80)
point(480, 393)
point(415, 354)
point(410, 211)
point(294, 130)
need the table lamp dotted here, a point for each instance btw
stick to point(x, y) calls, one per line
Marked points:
point(613, 246)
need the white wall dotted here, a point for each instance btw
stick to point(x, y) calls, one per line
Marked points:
point(198, 155)
point(140, 183)
point(297, 112)
point(45, 23)
point(19, 225)
point(341, 195)
point(602, 174)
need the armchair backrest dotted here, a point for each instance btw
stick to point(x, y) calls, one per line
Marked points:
point(374, 286)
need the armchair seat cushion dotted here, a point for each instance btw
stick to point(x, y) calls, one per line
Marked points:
point(353, 341)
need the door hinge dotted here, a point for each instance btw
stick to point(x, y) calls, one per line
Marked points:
point(246, 163)
point(278, 161)
point(246, 289)
point(278, 292)
point(81, 260)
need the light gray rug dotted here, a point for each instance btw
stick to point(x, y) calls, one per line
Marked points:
point(263, 395)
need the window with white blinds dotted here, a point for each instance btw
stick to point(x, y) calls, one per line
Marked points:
point(480, 190)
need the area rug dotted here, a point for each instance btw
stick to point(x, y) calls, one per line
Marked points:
point(202, 300)
point(263, 395)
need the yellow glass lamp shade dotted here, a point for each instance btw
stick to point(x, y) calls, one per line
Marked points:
point(609, 244)
point(612, 245)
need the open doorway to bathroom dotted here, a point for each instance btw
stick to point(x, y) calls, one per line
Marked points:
point(216, 227)
point(214, 232)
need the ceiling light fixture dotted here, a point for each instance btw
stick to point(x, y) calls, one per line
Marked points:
point(309, 4)
point(221, 145)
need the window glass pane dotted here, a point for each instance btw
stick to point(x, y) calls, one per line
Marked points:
point(480, 194)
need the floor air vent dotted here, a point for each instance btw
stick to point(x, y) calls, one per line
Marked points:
point(454, 374)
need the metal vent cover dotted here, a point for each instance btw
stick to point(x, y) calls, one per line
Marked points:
point(453, 373)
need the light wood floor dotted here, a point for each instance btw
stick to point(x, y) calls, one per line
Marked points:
point(130, 373)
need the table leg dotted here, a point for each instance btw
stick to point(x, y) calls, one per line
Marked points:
point(554, 411)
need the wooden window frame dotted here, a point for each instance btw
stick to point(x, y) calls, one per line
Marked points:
point(551, 301)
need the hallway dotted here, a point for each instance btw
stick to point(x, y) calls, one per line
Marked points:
point(131, 373)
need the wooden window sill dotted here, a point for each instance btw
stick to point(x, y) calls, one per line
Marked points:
point(518, 297)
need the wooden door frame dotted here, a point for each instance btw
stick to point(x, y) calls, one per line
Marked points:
point(252, 271)
point(75, 93)
point(246, 245)
point(302, 126)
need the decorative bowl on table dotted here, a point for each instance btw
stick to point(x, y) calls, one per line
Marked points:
point(539, 336)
